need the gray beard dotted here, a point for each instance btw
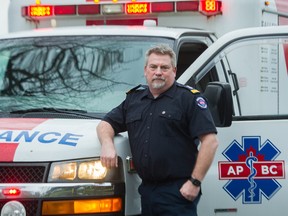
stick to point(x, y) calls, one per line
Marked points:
point(158, 85)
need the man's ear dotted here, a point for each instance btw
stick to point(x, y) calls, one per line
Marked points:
point(175, 71)
point(145, 70)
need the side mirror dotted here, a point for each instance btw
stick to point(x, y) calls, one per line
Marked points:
point(220, 103)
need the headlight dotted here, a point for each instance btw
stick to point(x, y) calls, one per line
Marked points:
point(91, 170)
point(77, 170)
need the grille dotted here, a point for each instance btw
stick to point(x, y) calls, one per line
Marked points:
point(22, 173)
point(30, 207)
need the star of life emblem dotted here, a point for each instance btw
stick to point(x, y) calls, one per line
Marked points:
point(251, 170)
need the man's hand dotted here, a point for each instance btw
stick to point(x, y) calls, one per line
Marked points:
point(189, 191)
point(109, 156)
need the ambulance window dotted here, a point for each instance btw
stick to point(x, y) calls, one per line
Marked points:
point(188, 53)
point(210, 76)
point(4, 58)
point(90, 73)
point(259, 69)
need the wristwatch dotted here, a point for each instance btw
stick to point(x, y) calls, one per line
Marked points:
point(195, 182)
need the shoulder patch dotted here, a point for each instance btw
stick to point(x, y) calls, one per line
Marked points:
point(201, 102)
point(191, 89)
point(138, 87)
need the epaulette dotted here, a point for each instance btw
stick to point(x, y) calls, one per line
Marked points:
point(191, 89)
point(138, 87)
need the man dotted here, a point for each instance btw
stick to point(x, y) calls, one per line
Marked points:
point(165, 122)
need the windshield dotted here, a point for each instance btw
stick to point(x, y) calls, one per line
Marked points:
point(87, 72)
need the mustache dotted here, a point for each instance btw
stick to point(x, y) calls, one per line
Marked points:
point(159, 78)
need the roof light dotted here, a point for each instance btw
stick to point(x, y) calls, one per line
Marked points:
point(149, 22)
point(65, 10)
point(40, 10)
point(187, 6)
point(137, 8)
point(210, 7)
point(88, 9)
point(207, 7)
point(11, 192)
point(158, 7)
point(112, 9)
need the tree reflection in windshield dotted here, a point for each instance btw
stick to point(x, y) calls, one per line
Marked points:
point(90, 73)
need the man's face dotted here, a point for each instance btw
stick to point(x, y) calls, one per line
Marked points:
point(159, 72)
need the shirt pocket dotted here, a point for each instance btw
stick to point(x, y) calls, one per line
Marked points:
point(171, 123)
point(133, 117)
point(173, 116)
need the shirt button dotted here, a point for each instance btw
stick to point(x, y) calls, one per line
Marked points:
point(145, 155)
point(150, 114)
point(148, 127)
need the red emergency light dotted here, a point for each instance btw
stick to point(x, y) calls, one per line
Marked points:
point(88, 9)
point(158, 7)
point(65, 10)
point(11, 192)
point(210, 7)
point(187, 6)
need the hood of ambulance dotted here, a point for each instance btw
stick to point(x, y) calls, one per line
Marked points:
point(29, 139)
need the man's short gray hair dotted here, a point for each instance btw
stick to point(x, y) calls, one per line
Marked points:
point(161, 49)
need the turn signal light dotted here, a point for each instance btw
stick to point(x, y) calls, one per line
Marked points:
point(71, 207)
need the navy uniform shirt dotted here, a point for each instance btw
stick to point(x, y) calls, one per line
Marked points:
point(163, 132)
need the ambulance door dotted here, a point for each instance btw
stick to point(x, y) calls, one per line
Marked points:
point(248, 173)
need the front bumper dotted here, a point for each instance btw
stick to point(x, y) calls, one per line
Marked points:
point(34, 195)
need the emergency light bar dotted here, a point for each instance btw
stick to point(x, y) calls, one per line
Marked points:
point(207, 7)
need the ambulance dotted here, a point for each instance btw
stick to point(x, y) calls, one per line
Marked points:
point(65, 64)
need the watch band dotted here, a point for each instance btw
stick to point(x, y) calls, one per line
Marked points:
point(195, 182)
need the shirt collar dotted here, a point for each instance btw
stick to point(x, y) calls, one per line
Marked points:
point(170, 92)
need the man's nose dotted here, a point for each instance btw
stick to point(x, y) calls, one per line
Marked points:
point(158, 71)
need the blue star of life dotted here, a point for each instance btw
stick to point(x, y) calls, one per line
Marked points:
point(251, 189)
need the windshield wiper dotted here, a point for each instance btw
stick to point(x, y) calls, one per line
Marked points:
point(49, 109)
point(74, 112)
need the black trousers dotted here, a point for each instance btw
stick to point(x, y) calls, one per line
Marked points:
point(165, 199)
